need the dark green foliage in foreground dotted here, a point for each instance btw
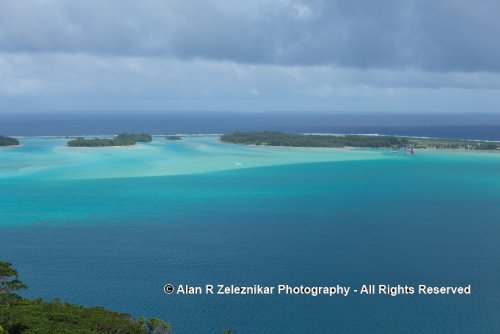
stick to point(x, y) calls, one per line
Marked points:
point(299, 140)
point(8, 141)
point(9, 279)
point(37, 316)
point(24, 316)
point(123, 139)
point(173, 138)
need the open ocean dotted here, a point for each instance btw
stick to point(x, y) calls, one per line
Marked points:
point(111, 226)
point(445, 125)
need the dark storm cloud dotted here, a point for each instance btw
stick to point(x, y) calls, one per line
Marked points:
point(441, 35)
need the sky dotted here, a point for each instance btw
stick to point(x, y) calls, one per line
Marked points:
point(250, 55)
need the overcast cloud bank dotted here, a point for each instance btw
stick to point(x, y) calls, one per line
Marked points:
point(250, 55)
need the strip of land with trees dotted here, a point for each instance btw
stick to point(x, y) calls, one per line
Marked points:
point(20, 315)
point(123, 139)
point(275, 138)
point(8, 141)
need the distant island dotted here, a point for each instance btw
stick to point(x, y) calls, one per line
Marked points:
point(173, 138)
point(123, 139)
point(8, 141)
point(275, 138)
point(455, 144)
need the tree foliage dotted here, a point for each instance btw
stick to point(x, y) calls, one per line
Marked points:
point(8, 141)
point(24, 316)
point(173, 138)
point(299, 140)
point(123, 139)
point(455, 144)
point(9, 279)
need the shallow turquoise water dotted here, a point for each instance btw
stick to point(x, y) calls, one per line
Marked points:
point(50, 158)
point(90, 226)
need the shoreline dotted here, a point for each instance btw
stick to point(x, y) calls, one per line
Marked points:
point(220, 134)
point(212, 135)
point(396, 143)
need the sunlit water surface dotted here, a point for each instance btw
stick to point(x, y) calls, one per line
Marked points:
point(111, 226)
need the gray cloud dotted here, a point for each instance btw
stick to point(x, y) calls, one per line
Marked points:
point(92, 81)
point(441, 35)
point(92, 75)
point(399, 55)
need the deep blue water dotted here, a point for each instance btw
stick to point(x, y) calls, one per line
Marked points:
point(432, 219)
point(465, 125)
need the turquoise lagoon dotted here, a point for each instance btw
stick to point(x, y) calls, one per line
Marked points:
point(111, 226)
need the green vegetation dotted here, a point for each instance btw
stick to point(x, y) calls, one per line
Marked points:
point(9, 279)
point(173, 138)
point(38, 316)
point(299, 140)
point(8, 141)
point(23, 316)
point(455, 144)
point(123, 139)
